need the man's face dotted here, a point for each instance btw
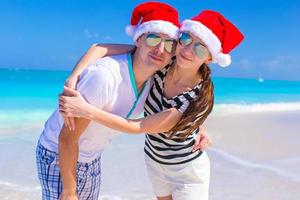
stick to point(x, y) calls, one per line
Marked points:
point(155, 50)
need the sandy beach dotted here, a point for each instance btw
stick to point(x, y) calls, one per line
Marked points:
point(254, 156)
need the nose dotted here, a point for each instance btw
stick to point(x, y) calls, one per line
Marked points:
point(188, 50)
point(161, 48)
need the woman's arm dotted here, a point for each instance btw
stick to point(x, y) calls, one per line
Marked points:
point(76, 106)
point(94, 52)
point(157, 123)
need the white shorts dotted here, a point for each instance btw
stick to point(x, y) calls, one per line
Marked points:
point(188, 181)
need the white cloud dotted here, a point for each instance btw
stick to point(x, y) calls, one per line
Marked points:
point(282, 60)
point(271, 63)
point(282, 67)
point(286, 67)
point(108, 37)
point(245, 64)
point(90, 35)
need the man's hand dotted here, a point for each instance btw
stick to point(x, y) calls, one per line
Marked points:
point(202, 141)
point(68, 151)
point(65, 196)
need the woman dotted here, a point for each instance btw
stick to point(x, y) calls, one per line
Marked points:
point(179, 102)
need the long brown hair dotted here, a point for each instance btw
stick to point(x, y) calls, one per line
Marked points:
point(198, 109)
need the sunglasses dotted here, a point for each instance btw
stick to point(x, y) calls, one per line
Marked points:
point(153, 40)
point(185, 39)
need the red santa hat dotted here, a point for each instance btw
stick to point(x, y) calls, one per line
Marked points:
point(154, 17)
point(219, 34)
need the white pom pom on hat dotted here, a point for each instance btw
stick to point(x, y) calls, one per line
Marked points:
point(130, 30)
point(223, 60)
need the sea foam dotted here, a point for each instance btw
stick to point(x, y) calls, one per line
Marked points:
point(224, 109)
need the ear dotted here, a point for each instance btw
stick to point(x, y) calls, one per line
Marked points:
point(138, 41)
point(208, 60)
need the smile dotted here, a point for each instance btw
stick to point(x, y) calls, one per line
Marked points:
point(155, 57)
point(185, 58)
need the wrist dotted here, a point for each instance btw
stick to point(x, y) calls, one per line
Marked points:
point(69, 191)
point(72, 77)
point(89, 112)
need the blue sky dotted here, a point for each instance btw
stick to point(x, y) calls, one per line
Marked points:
point(53, 34)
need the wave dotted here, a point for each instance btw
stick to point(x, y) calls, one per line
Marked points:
point(30, 118)
point(219, 107)
point(256, 107)
point(19, 187)
point(11, 116)
point(109, 197)
point(245, 163)
point(22, 121)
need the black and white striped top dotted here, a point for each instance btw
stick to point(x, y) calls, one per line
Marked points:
point(158, 146)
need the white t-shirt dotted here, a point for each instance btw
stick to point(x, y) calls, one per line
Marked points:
point(109, 84)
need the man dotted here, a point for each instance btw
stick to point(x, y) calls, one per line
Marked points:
point(118, 84)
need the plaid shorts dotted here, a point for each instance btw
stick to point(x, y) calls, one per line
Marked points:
point(88, 176)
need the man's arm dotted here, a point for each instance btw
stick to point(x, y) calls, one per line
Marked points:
point(95, 86)
point(68, 156)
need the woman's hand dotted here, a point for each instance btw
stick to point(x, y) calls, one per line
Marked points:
point(73, 105)
point(71, 82)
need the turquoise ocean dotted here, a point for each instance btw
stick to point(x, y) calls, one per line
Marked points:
point(38, 89)
point(27, 98)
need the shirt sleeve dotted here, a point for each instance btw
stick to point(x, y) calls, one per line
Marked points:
point(96, 86)
point(181, 104)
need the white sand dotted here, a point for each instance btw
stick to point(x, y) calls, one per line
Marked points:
point(254, 156)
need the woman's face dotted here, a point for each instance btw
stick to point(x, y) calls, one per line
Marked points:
point(191, 51)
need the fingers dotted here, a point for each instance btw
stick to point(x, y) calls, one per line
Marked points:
point(62, 106)
point(71, 83)
point(70, 92)
point(202, 142)
point(67, 123)
point(196, 144)
point(72, 123)
point(196, 147)
point(63, 103)
point(205, 142)
point(62, 100)
point(60, 94)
